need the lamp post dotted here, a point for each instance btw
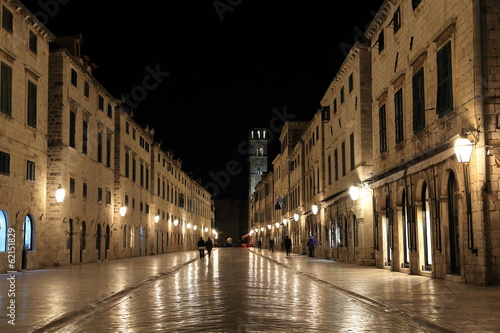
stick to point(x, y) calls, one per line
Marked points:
point(463, 151)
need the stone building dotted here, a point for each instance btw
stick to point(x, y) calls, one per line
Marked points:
point(388, 126)
point(24, 75)
point(347, 130)
point(63, 132)
point(435, 218)
point(81, 155)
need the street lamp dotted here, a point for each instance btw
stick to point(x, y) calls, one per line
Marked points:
point(314, 209)
point(60, 193)
point(463, 151)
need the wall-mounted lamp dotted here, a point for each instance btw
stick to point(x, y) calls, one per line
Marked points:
point(296, 217)
point(277, 225)
point(269, 226)
point(314, 209)
point(195, 227)
point(60, 193)
point(123, 210)
point(176, 222)
point(157, 218)
point(463, 151)
point(354, 192)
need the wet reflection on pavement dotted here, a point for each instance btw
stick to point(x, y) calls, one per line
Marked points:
point(238, 291)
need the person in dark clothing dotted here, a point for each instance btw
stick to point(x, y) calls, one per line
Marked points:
point(201, 247)
point(288, 245)
point(310, 246)
point(271, 245)
point(209, 245)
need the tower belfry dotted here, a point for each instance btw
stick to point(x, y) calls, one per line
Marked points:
point(257, 141)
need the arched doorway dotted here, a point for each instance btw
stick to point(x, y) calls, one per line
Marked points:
point(4, 226)
point(140, 240)
point(83, 239)
point(453, 223)
point(108, 239)
point(28, 240)
point(98, 237)
point(426, 242)
point(70, 240)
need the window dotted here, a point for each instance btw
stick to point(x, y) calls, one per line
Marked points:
point(85, 139)
point(7, 20)
point(336, 163)
point(382, 129)
point(72, 129)
point(74, 77)
point(351, 83)
point(127, 127)
point(334, 106)
point(351, 148)
point(84, 190)
point(33, 42)
point(4, 163)
point(108, 197)
point(72, 186)
point(415, 3)
point(147, 178)
point(418, 101)
point(380, 42)
point(444, 93)
point(127, 165)
point(99, 147)
point(101, 103)
point(396, 19)
point(86, 89)
point(134, 169)
point(398, 109)
point(30, 171)
point(99, 194)
point(342, 95)
point(108, 152)
point(344, 170)
point(110, 111)
point(6, 89)
point(141, 175)
point(32, 92)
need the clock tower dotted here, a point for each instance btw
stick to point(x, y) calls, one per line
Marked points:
point(258, 140)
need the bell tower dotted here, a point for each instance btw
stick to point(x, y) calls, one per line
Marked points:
point(258, 139)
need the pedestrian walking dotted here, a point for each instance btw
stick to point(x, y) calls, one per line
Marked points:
point(288, 245)
point(271, 245)
point(201, 247)
point(310, 246)
point(259, 243)
point(209, 245)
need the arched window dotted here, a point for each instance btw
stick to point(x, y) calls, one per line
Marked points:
point(4, 225)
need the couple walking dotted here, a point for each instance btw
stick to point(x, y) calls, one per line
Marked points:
point(202, 246)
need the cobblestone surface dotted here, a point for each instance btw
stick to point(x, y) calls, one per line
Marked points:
point(242, 290)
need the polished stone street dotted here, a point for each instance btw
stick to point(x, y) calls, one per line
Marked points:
point(241, 290)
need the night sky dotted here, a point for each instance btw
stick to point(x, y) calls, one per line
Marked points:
point(223, 67)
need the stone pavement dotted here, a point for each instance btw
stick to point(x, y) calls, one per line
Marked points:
point(44, 297)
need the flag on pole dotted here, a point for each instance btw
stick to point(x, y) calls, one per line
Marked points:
point(278, 203)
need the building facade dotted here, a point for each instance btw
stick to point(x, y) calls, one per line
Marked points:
point(63, 133)
point(383, 165)
point(24, 76)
